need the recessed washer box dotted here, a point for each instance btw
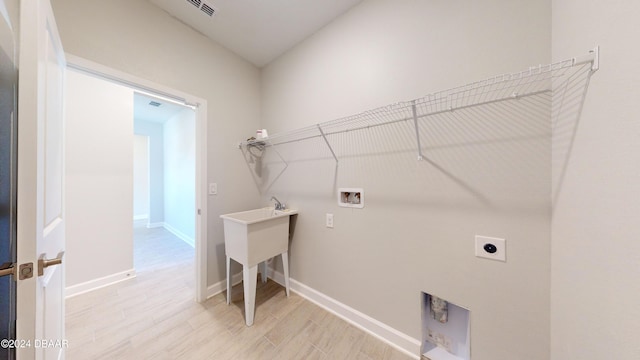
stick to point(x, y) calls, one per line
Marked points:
point(445, 330)
point(351, 197)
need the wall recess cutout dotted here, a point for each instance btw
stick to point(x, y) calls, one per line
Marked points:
point(351, 197)
point(445, 330)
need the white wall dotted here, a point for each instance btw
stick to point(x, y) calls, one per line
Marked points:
point(140, 177)
point(179, 175)
point(99, 173)
point(595, 252)
point(385, 51)
point(155, 133)
point(9, 10)
point(137, 37)
point(488, 171)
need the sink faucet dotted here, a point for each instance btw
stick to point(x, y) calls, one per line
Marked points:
point(279, 205)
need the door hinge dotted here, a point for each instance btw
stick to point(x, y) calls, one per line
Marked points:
point(25, 271)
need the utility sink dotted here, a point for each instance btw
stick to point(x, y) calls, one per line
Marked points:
point(258, 215)
point(251, 238)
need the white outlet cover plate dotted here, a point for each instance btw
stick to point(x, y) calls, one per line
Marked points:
point(500, 244)
point(329, 220)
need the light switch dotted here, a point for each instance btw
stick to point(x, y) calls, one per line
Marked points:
point(213, 188)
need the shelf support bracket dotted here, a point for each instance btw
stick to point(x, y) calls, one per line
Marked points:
point(286, 164)
point(415, 122)
point(596, 58)
point(327, 141)
point(592, 57)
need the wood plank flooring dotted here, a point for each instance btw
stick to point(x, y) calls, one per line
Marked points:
point(154, 316)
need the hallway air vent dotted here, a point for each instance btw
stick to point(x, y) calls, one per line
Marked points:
point(208, 9)
point(154, 103)
point(195, 3)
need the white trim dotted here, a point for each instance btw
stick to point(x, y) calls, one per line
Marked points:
point(180, 235)
point(155, 225)
point(221, 286)
point(140, 217)
point(95, 69)
point(98, 283)
point(384, 332)
point(202, 199)
point(200, 106)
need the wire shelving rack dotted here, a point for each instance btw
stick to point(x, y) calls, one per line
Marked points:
point(507, 87)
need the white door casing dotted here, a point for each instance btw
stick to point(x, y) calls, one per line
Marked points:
point(200, 105)
point(41, 219)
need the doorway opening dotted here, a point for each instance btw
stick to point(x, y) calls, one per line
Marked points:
point(182, 213)
point(164, 185)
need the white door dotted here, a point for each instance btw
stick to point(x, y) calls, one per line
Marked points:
point(40, 220)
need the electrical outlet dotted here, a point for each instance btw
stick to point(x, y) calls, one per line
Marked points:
point(446, 343)
point(329, 220)
point(213, 188)
point(431, 335)
point(491, 248)
point(439, 339)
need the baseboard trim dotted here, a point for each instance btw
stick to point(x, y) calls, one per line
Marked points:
point(384, 332)
point(140, 217)
point(221, 286)
point(98, 283)
point(155, 225)
point(180, 235)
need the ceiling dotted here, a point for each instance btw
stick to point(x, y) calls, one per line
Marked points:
point(142, 110)
point(257, 30)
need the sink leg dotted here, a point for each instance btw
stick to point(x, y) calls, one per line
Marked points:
point(263, 271)
point(249, 277)
point(285, 265)
point(228, 280)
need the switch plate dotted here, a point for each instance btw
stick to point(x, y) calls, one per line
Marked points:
point(491, 248)
point(213, 188)
point(329, 220)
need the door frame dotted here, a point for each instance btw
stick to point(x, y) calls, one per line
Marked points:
point(200, 107)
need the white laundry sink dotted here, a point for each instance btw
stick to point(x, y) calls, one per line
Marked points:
point(250, 238)
point(258, 215)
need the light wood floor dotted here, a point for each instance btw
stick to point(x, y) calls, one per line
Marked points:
point(154, 316)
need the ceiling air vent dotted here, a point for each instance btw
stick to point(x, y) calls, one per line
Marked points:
point(207, 9)
point(195, 3)
point(204, 7)
point(154, 103)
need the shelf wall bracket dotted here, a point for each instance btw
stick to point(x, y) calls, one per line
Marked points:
point(327, 141)
point(593, 57)
point(596, 58)
point(286, 164)
point(415, 122)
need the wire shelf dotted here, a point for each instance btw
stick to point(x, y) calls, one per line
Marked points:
point(507, 87)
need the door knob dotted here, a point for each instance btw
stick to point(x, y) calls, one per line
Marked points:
point(44, 262)
point(23, 272)
point(9, 270)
